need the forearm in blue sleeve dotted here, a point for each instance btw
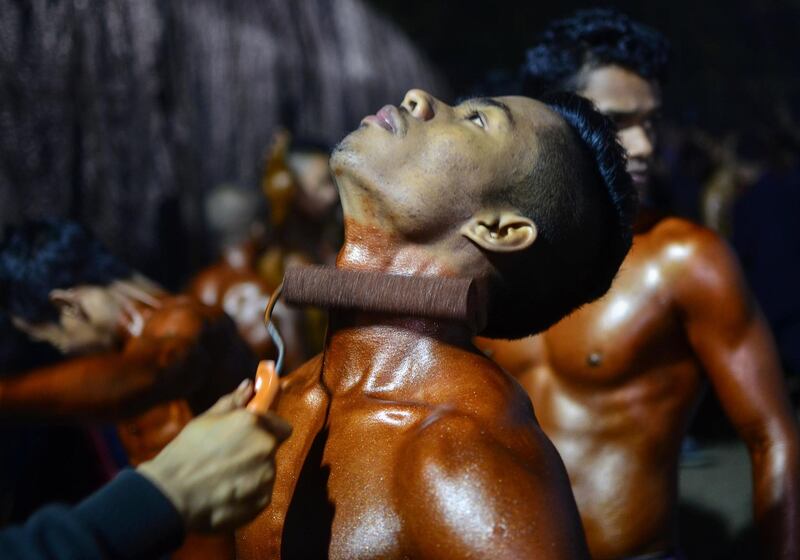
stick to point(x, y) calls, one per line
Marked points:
point(128, 519)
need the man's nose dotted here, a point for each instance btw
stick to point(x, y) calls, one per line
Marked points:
point(420, 104)
point(637, 142)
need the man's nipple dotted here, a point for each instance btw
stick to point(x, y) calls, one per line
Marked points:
point(594, 359)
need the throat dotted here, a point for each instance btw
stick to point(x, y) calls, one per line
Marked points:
point(646, 218)
point(390, 357)
point(385, 328)
point(370, 246)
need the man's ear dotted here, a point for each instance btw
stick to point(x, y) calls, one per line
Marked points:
point(500, 231)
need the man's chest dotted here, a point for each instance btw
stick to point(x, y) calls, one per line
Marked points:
point(366, 442)
point(632, 328)
point(335, 488)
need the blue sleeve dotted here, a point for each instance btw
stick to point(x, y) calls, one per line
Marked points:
point(129, 518)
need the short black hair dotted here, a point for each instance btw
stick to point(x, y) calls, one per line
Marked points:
point(588, 39)
point(582, 201)
point(39, 257)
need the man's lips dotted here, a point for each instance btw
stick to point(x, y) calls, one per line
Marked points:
point(639, 173)
point(388, 117)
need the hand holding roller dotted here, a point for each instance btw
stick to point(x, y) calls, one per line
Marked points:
point(266, 387)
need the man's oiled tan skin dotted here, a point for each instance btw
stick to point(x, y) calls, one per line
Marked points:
point(130, 362)
point(232, 285)
point(182, 350)
point(615, 383)
point(407, 442)
point(137, 365)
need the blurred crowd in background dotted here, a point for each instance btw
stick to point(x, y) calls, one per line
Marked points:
point(127, 116)
point(187, 132)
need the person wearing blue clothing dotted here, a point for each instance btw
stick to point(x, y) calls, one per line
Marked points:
point(215, 476)
point(85, 340)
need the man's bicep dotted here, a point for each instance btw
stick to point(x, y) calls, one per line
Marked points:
point(464, 495)
point(733, 342)
point(713, 297)
point(749, 383)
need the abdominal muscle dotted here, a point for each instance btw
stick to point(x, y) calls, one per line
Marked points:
point(620, 445)
point(625, 507)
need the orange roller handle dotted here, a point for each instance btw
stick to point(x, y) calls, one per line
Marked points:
point(267, 385)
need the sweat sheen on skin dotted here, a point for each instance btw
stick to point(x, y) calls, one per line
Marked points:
point(451, 299)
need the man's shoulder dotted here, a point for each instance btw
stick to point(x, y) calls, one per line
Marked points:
point(483, 407)
point(457, 434)
point(303, 379)
point(673, 230)
point(503, 478)
point(477, 386)
point(703, 268)
point(685, 245)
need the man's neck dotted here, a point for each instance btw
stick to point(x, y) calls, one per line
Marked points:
point(646, 218)
point(362, 346)
point(386, 354)
point(371, 247)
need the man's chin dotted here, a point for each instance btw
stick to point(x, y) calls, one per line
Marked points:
point(349, 153)
point(342, 156)
point(641, 179)
point(644, 194)
point(347, 144)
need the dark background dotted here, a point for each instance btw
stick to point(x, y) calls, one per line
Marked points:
point(124, 114)
point(733, 60)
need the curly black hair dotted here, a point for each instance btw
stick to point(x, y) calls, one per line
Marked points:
point(591, 38)
point(39, 257)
